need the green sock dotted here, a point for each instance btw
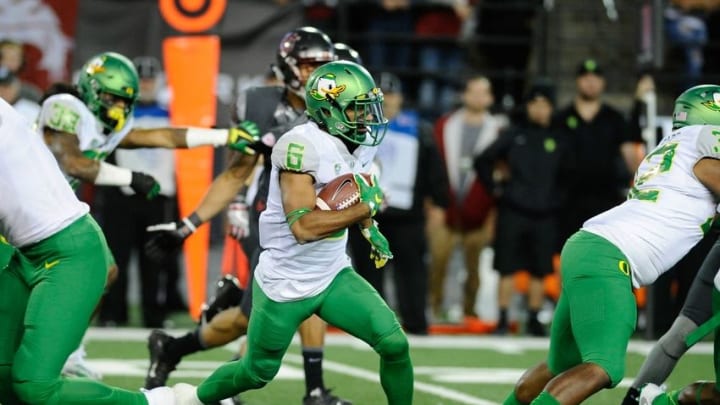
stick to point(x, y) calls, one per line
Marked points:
point(545, 399)
point(511, 399)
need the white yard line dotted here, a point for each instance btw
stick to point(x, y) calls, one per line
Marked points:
point(372, 376)
point(506, 345)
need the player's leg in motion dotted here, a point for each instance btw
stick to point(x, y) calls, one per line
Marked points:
point(312, 337)
point(602, 315)
point(270, 332)
point(67, 275)
point(351, 304)
point(14, 294)
point(75, 365)
point(592, 325)
point(221, 322)
point(671, 346)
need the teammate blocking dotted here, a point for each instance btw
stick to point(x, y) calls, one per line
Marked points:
point(674, 196)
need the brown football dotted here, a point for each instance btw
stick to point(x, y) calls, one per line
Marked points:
point(340, 193)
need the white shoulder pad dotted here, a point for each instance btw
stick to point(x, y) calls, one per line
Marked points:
point(64, 113)
point(295, 151)
point(708, 141)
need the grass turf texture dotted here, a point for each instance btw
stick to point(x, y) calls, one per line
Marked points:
point(449, 370)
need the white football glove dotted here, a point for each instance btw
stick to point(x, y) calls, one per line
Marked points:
point(238, 218)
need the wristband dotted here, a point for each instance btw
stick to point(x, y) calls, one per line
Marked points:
point(111, 175)
point(294, 215)
point(192, 222)
point(205, 136)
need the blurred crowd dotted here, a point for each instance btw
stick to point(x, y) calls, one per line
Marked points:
point(473, 161)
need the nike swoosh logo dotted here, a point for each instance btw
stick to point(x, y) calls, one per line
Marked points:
point(339, 189)
point(50, 265)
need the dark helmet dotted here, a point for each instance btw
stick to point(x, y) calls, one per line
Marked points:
point(343, 51)
point(302, 45)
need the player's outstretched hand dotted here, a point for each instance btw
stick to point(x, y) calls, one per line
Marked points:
point(238, 218)
point(144, 184)
point(379, 247)
point(244, 138)
point(168, 238)
point(370, 193)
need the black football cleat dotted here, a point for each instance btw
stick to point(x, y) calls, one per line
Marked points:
point(323, 397)
point(160, 367)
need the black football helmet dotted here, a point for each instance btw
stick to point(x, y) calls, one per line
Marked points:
point(302, 45)
point(344, 51)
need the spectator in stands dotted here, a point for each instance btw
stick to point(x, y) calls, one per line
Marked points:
point(686, 28)
point(537, 161)
point(604, 148)
point(388, 18)
point(414, 179)
point(11, 91)
point(437, 94)
point(126, 215)
point(461, 135)
point(12, 56)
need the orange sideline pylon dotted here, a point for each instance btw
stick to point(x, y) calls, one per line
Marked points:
point(191, 65)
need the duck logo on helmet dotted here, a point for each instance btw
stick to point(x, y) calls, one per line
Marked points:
point(95, 66)
point(327, 86)
point(713, 104)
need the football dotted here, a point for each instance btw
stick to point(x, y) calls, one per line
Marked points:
point(340, 193)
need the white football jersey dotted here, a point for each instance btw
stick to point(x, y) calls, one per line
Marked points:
point(668, 210)
point(287, 270)
point(66, 113)
point(35, 199)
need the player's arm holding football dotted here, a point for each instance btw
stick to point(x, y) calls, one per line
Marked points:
point(306, 223)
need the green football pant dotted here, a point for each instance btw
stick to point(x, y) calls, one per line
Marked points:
point(596, 311)
point(47, 296)
point(349, 303)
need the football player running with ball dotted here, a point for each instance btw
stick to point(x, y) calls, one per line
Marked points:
point(304, 268)
point(669, 208)
point(275, 109)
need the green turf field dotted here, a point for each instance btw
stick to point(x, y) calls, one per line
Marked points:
point(449, 370)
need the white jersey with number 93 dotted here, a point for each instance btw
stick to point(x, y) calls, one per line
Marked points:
point(668, 210)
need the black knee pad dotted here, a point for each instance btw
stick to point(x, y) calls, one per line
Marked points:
point(227, 294)
point(393, 347)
